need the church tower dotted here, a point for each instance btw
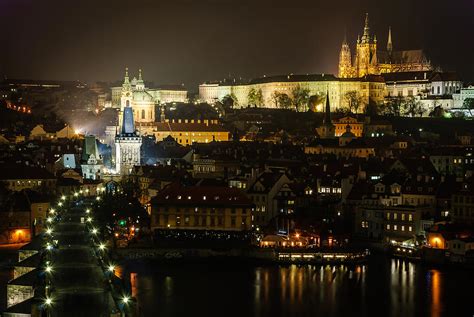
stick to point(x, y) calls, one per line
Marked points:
point(366, 53)
point(327, 130)
point(127, 144)
point(127, 92)
point(389, 41)
point(345, 62)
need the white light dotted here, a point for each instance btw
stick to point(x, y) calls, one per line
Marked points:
point(125, 299)
point(51, 211)
point(94, 231)
point(48, 301)
point(89, 219)
point(76, 194)
point(88, 211)
point(49, 231)
point(49, 219)
point(60, 204)
point(102, 246)
point(63, 197)
point(48, 269)
point(97, 198)
point(111, 268)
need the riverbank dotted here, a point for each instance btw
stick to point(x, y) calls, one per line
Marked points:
point(269, 255)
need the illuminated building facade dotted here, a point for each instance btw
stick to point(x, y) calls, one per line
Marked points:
point(160, 95)
point(127, 145)
point(201, 208)
point(368, 60)
point(369, 87)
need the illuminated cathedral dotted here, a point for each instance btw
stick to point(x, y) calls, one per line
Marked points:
point(367, 60)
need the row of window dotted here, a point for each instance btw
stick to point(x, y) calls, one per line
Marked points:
point(396, 228)
point(403, 217)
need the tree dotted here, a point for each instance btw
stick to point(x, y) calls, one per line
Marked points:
point(412, 107)
point(315, 100)
point(300, 98)
point(284, 101)
point(255, 97)
point(275, 98)
point(229, 101)
point(438, 112)
point(354, 101)
point(469, 105)
point(393, 106)
point(373, 108)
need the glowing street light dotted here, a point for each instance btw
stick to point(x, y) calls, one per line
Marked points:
point(49, 219)
point(89, 219)
point(48, 269)
point(97, 198)
point(88, 211)
point(76, 194)
point(94, 231)
point(63, 197)
point(48, 301)
point(49, 246)
point(60, 204)
point(102, 247)
point(111, 268)
point(51, 211)
point(126, 299)
point(49, 231)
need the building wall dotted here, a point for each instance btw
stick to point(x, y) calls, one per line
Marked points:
point(201, 218)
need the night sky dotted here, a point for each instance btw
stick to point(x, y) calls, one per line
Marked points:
point(179, 41)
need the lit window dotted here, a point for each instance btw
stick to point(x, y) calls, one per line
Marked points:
point(410, 217)
point(403, 228)
point(179, 196)
point(395, 227)
point(410, 228)
point(203, 197)
point(388, 227)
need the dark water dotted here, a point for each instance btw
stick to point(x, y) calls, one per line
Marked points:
point(383, 287)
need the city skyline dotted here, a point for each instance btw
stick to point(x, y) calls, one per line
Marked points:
point(191, 43)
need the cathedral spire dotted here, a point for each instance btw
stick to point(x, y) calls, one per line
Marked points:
point(366, 36)
point(140, 74)
point(389, 41)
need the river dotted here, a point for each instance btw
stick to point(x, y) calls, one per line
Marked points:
point(383, 287)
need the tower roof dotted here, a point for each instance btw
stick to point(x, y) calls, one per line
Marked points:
point(128, 125)
point(366, 36)
point(327, 114)
point(389, 40)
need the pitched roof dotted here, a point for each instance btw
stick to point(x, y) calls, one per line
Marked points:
point(176, 194)
point(17, 171)
point(187, 127)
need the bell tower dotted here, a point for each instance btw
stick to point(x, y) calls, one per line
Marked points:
point(345, 60)
point(127, 144)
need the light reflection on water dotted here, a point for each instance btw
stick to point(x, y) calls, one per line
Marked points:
point(384, 288)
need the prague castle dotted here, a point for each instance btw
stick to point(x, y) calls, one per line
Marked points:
point(371, 75)
point(370, 61)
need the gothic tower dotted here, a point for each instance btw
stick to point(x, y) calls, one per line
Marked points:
point(127, 144)
point(366, 53)
point(327, 130)
point(389, 41)
point(345, 62)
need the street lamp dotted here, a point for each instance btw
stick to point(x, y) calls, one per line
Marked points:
point(48, 269)
point(89, 219)
point(51, 211)
point(94, 231)
point(97, 198)
point(60, 204)
point(88, 211)
point(63, 197)
point(126, 299)
point(111, 268)
point(49, 219)
point(49, 231)
point(102, 247)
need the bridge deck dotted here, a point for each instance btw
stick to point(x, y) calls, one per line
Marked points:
point(79, 286)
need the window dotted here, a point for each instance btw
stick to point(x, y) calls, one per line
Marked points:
point(388, 227)
point(410, 217)
point(403, 228)
point(403, 217)
point(143, 114)
point(395, 227)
